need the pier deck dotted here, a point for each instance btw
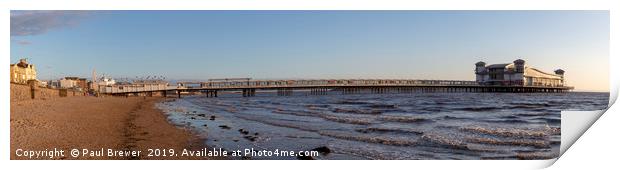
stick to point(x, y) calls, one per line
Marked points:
point(248, 87)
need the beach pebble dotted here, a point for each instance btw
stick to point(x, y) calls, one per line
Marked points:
point(224, 127)
point(323, 150)
point(251, 138)
point(245, 132)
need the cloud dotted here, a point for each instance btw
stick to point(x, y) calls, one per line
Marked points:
point(25, 23)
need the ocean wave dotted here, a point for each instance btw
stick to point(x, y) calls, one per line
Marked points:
point(371, 139)
point(435, 139)
point(358, 121)
point(318, 105)
point(352, 102)
point(383, 130)
point(222, 104)
point(295, 112)
point(506, 121)
point(553, 130)
point(231, 110)
point(521, 156)
point(531, 114)
point(534, 155)
point(356, 111)
point(529, 104)
point(519, 142)
point(317, 108)
point(520, 133)
point(479, 108)
point(406, 119)
point(383, 106)
point(273, 122)
point(510, 117)
point(551, 120)
point(267, 107)
point(454, 118)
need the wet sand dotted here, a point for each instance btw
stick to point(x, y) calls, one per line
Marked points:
point(94, 123)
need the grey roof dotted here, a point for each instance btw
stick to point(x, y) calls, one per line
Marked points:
point(520, 61)
point(498, 65)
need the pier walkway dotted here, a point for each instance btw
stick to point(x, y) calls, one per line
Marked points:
point(248, 87)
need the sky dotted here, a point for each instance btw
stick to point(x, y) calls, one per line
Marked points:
point(199, 45)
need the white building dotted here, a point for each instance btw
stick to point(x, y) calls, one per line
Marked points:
point(53, 83)
point(43, 83)
point(67, 83)
point(516, 73)
point(105, 81)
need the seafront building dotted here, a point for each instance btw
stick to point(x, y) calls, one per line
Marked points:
point(106, 81)
point(517, 73)
point(53, 84)
point(67, 83)
point(74, 82)
point(23, 71)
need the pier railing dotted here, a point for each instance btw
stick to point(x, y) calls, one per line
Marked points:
point(240, 84)
point(131, 88)
point(321, 83)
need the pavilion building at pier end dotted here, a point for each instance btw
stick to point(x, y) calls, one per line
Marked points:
point(517, 73)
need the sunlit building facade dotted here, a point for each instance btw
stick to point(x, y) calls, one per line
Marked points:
point(22, 71)
point(517, 73)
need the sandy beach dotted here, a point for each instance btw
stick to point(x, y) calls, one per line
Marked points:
point(93, 123)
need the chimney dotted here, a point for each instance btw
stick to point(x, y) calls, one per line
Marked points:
point(23, 60)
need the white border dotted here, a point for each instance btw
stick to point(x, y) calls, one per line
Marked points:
point(595, 149)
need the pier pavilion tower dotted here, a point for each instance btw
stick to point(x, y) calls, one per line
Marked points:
point(516, 73)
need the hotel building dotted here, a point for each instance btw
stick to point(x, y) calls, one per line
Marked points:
point(22, 71)
point(517, 73)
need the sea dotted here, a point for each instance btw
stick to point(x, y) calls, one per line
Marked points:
point(410, 126)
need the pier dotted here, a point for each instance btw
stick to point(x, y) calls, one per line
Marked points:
point(248, 88)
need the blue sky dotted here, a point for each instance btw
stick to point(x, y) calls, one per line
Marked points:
point(311, 44)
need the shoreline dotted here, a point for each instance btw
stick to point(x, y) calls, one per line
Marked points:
point(118, 123)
